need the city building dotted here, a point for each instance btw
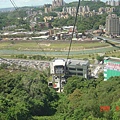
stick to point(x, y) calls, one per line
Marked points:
point(72, 10)
point(113, 2)
point(48, 9)
point(106, 10)
point(112, 25)
point(58, 3)
point(77, 67)
point(111, 67)
point(61, 69)
point(48, 18)
point(57, 66)
point(57, 70)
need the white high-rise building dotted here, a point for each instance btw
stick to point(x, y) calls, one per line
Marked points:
point(112, 24)
point(113, 2)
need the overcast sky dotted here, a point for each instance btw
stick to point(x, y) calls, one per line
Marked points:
point(20, 3)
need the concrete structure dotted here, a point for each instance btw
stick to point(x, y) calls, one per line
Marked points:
point(48, 9)
point(112, 25)
point(77, 67)
point(48, 18)
point(106, 10)
point(57, 69)
point(72, 10)
point(61, 69)
point(111, 67)
point(57, 66)
point(58, 3)
point(113, 2)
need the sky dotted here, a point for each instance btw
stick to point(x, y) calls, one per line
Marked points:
point(21, 3)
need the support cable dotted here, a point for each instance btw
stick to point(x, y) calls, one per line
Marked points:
point(16, 8)
point(14, 5)
point(73, 29)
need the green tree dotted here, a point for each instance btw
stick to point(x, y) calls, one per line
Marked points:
point(100, 58)
point(25, 94)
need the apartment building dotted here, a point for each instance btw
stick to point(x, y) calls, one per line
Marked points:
point(58, 3)
point(113, 2)
point(112, 25)
point(72, 10)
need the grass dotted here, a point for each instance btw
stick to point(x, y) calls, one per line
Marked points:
point(57, 46)
point(113, 53)
point(48, 46)
point(90, 57)
point(17, 46)
point(54, 117)
point(77, 45)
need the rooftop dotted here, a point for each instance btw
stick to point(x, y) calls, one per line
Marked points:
point(71, 61)
point(77, 62)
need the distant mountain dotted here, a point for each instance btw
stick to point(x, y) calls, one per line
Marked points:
point(12, 8)
point(7, 9)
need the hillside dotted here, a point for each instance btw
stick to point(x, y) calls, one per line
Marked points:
point(24, 95)
point(93, 5)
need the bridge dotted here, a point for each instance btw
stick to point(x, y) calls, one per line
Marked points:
point(108, 39)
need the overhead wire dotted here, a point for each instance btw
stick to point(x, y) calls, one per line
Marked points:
point(73, 30)
point(9, 61)
point(14, 4)
point(16, 8)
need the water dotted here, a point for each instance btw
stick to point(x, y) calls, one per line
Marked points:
point(90, 51)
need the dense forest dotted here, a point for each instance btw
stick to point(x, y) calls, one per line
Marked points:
point(14, 18)
point(25, 95)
